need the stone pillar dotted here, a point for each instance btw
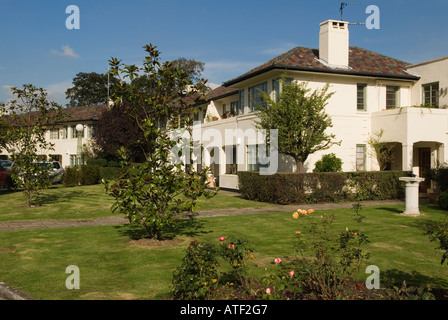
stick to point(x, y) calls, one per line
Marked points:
point(411, 199)
point(407, 152)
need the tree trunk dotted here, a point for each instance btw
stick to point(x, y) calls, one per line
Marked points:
point(299, 166)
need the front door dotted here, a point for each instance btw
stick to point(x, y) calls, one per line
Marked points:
point(424, 164)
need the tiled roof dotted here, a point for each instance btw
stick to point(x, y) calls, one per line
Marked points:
point(221, 92)
point(361, 62)
point(85, 113)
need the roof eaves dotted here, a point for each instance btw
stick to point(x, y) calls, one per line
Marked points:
point(341, 72)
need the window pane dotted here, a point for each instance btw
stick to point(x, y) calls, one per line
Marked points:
point(360, 157)
point(255, 96)
point(240, 109)
point(392, 97)
point(361, 96)
point(431, 95)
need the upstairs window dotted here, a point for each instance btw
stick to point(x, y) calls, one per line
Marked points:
point(431, 95)
point(240, 107)
point(255, 96)
point(392, 97)
point(54, 134)
point(277, 87)
point(361, 97)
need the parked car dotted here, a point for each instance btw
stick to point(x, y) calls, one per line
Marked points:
point(53, 169)
point(3, 177)
point(6, 164)
point(56, 172)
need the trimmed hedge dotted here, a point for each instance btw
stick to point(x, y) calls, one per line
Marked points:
point(89, 175)
point(290, 188)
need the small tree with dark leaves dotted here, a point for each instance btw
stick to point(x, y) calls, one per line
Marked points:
point(30, 115)
point(158, 191)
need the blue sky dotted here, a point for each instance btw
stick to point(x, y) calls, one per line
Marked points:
point(229, 36)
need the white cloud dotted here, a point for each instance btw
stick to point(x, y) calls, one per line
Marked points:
point(56, 91)
point(213, 85)
point(66, 52)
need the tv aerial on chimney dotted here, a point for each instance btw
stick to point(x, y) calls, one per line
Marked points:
point(341, 9)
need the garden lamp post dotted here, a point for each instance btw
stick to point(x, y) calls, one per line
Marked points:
point(79, 130)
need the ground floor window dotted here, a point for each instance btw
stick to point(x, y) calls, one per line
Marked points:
point(231, 160)
point(254, 151)
point(361, 157)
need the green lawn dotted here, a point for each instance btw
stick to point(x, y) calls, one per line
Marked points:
point(112, 266)
point(86, 202)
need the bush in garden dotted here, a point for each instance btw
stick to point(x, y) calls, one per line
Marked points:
point(328, 163)
point(201, 273)
point(336, 257)
point(288, 188)
point(90, 175)
point(326, 262)
point(198, 275)
point(72, 176)
point(443, 200)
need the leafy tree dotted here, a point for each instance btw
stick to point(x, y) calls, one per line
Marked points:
point(89, 89)
point(30, 116)
point(301, 120)
point(125, 134)
point(158, 191)
point(4, 128)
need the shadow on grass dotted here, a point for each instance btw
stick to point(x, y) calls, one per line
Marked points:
point(393, 210)
point(55, 197)
point(395, 277)
point(183, 227)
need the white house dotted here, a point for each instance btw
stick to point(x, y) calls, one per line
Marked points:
point(372, 92)
point(64, 135)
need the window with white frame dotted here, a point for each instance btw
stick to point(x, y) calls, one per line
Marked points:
point(231, 159)
point(255, 96)
point(361, 157)
point(277, 87)
point(361, 101)
point(240, 108)
point(392, 97)
point(54, 134)
point(254, 151)
point(431, 94)
point(65, 132)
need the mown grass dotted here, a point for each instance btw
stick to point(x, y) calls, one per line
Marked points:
point(113, 266)
point(86, 202)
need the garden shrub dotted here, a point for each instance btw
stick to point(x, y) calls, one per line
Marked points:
point(201, 272)
point(198, 274)
point(440, 176)
point(328, 163)
point(110, 173)
point(97, 162)
point(443, 200)
point(90, 174)
point(287, 188)
point(72, 176)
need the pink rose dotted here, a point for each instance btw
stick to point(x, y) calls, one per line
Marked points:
point(278, 260)
point(268, 290)
point(222, 238)
point(291, 273)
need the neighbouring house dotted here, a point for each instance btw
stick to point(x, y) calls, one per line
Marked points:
point(372, 92)
point(64, 135)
